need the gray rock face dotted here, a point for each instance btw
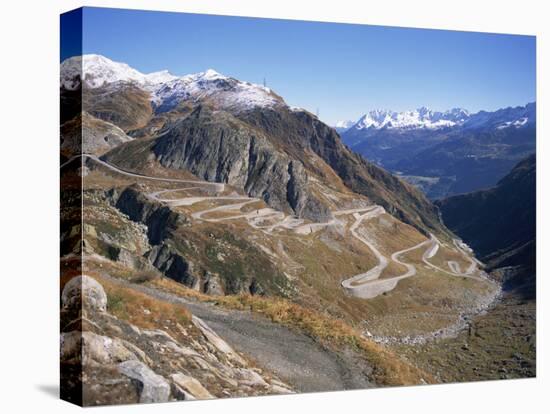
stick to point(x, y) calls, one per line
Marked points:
point(212, 284)
point(93, 348)
point(161, 222)
point(84, 292)
point(158, 219)
point(154, 387)
point(251, 378)
point(216, 146)
point(173, 265)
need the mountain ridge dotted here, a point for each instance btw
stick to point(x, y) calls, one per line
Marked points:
point(166, 89)
point(314, 151)
point(422, 117)
point(425, 118)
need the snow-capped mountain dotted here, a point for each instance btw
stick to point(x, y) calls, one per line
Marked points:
point(425, 118)
point(99, 71)
point(511, 117)
point(453, 151)
point(167, 90)
point(227, 92)
point(417, 119)
point(342, 126)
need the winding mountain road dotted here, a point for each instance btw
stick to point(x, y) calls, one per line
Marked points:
point(365, 285)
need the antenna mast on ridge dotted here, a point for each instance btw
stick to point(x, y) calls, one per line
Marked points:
point(265, 83)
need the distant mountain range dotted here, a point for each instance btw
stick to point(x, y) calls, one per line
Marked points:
point(421, 118)
point(448, 152)
point(425, 118)
point(342, 126)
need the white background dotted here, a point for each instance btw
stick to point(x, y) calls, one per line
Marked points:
point(29, 202)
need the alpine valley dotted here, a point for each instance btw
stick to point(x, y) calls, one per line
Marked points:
point(227, 244)
point(445, 153)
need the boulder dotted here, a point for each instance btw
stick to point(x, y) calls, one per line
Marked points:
point(154, 388)
point(84, 292)
point(94, 349)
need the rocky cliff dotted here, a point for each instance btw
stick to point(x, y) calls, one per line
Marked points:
point(217, 146)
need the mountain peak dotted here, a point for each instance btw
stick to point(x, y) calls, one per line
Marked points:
point(343, 124)
point(424, 110)
point(165, 89)
point(420, 118)
point(211, 73)
point(98, 70)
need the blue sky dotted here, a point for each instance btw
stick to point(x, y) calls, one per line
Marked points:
point(344, 70)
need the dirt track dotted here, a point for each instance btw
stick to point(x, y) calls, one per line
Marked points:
point(290, 354)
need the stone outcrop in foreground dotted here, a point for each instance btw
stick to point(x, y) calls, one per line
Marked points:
point(107, 360)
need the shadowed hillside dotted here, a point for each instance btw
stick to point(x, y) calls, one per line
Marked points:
point(500, 223)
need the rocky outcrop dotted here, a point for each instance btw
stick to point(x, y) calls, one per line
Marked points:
point(154, 388)
point(107, 360)
point(215, 340)
point(90, 135)
point(174, 265)
point(183, 254)
point(190, 387)
point(216, 146)
point(93, 349)
point(212, 284)
point(159, 219)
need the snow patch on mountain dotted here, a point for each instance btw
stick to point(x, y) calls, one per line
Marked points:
point(96, 71)
point(222, 90)
point(510, 117)
point(517, 123)
point(343, 125)
point(167, 90)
